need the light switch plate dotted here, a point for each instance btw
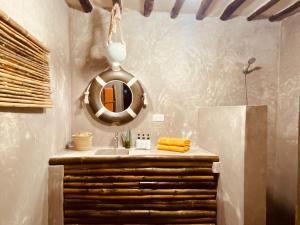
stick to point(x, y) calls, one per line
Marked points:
point(216, 167)
point(158, 118)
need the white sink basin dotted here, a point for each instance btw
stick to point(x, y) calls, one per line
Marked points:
point(118, 151)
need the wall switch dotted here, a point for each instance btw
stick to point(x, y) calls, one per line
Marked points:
point(216, 167)
point(158, 118)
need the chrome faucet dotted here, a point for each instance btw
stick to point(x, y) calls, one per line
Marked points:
point(116, 140)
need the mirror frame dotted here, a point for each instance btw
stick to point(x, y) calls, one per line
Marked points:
point(98, 109)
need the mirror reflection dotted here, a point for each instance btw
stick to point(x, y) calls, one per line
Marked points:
point(116, 96)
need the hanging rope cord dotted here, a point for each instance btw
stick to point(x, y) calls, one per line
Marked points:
point(115, 24)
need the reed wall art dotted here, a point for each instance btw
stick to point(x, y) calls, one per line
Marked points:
point(24, 67)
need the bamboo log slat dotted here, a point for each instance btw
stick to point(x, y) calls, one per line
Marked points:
point(4, 17)
point(140, 213)
point(22, 77)
point(136, 178)
point(116, 220)
point(139, 190)
point(154, 205)
point(192, 159)
point(143, 171)
point(24, 67)
point(24, 105)
point(133, 192)
point(21, 91)
point(133, 197)
point(24, 85)
point(145, 185)
point(133, 164)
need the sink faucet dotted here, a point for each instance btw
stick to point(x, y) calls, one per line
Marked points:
point(116, 140)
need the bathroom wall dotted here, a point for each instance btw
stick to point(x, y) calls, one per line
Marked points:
point(182, 63)
point(28, 137)
point(242, 150)
point(284, 194)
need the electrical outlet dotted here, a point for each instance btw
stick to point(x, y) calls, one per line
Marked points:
point(158, 118)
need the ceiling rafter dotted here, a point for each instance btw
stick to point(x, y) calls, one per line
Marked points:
point(290, 10)
point(262, 9)
point(148, 7)
point(86, 5)
point(117, 1)
point(202, 9)
point(176, 8)
point(231, 8)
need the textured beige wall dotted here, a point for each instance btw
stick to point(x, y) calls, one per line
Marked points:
point(284, 192)
point(28, 138)
point(239, 137)
point(185, 64)
point(182, 63)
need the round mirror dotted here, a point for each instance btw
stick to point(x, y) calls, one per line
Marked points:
point(116, 96)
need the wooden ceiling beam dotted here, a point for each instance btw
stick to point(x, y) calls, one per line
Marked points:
point(262, 9)
point(148, 7)
point(117, 1)
point(81, 5)
point(203, 8)
point(290, 10)
point(176, 8)
point(231, 8)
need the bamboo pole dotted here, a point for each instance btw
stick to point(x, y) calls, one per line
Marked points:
point(17, 61)
point(25, 97)
point(14, 52)
point(140, 213)
point(126, 158)
point(158, 205)
point(13, 47)
point(117, 220)
point(138, 165)
point(19, 37)
point(140, 171)
point(24, 69)
point(142, 197)
point(24, 105)
point(134, 192)
point(142, 201)
point(45, 92)
point(15, 72)
point(20, 29)
point(22, 78)
point(24, 84)
point(144, 185)
point(23, 91)
point(136, 178)
point(22, 46)
point(16, 94)
point(23, 101)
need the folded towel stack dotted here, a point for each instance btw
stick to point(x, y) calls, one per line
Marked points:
point(173, 144)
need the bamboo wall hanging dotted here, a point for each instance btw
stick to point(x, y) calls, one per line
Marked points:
point(24, 67)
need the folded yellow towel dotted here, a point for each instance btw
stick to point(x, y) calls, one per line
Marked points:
point(173, 148)
point(174, 141)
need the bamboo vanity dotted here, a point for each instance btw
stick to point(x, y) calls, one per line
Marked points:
point(133, 187)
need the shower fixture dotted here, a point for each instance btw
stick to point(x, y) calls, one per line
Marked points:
point(247, 71)
point(250, 62)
